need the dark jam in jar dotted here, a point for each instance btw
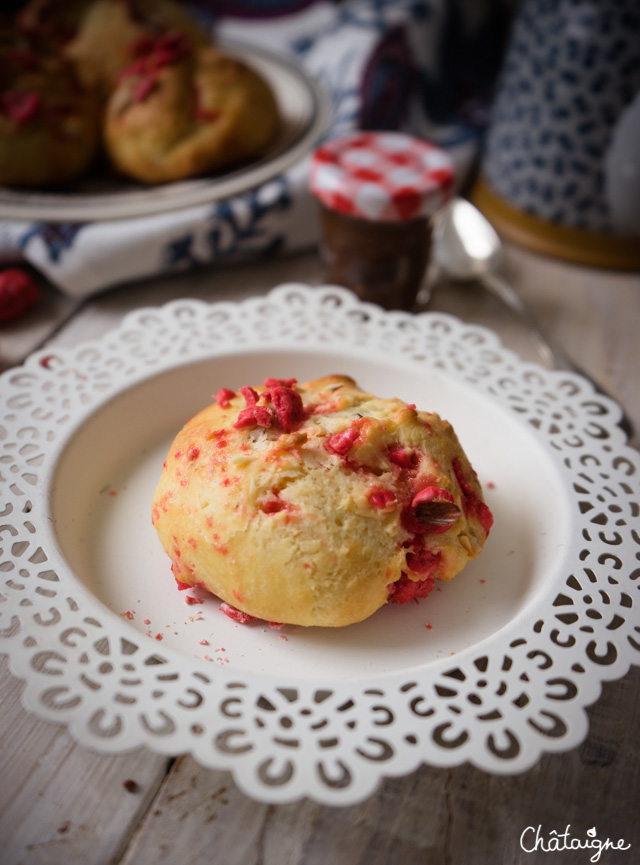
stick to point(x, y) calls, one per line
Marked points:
point(383, 262)
point(378, 192)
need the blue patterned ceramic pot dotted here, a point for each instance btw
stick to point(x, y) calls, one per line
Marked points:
point(564, 142)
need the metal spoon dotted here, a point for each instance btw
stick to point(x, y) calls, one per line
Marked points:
point(466, 247)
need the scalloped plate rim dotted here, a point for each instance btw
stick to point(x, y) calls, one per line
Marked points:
point(619, 668)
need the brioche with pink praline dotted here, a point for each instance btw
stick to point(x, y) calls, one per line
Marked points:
point(317, 503)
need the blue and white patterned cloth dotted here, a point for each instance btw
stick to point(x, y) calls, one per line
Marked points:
point(386, 64)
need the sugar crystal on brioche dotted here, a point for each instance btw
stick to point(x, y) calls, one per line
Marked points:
point(317, 503)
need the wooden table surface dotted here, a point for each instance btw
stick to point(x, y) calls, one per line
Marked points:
point(60, 803)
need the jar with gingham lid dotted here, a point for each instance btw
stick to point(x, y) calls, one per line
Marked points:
point(378, 193)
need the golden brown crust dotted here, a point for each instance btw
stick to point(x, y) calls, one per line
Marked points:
point(49, 124)
point(102, 46)
point(108, 31)
point(201, 113)
point(314, 504)
point(146, 83)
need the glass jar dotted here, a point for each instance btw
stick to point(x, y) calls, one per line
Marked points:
point(378, 193)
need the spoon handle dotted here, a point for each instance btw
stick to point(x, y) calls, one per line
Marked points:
point(553, 355)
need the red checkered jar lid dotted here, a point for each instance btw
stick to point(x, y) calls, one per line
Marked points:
point(382, 176)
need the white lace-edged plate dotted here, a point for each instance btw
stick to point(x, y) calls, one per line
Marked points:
point(495, 668)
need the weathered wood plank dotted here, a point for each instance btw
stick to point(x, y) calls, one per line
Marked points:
point(456, 817)
point(59, 802)
point(105, 311)
point(596, 785)
point(593, 313)
point(18, 339)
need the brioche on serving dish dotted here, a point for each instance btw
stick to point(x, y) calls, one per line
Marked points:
point(179, 112)
point(317, 503)
point(49, 124)
point(135, 86)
